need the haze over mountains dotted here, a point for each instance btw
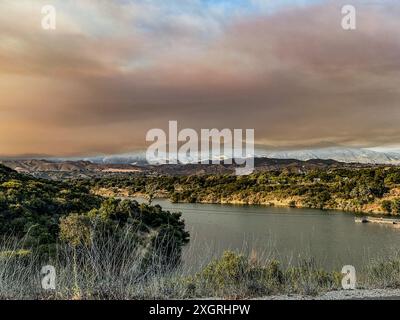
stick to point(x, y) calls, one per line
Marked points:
point(59, 170)
point(349, 155)
point(341, 154)
point(265, 160)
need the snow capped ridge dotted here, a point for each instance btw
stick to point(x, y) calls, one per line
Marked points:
point(342, 154)
point(359, 155)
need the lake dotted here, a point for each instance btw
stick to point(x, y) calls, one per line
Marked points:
point(333, 238)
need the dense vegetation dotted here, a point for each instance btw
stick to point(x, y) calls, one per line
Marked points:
point(43, 213)
point(361, 190)
point(108, 248)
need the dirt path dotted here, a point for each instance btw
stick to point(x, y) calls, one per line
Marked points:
point(378, 294)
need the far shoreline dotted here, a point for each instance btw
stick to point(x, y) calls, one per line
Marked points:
point(276, 204)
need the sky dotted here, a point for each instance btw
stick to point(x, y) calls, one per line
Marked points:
point(112, 70)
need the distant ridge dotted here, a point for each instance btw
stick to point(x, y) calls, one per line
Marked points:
point(57, 169)
point(340, 154)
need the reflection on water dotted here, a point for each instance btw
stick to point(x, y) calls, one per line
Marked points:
point(332, 237)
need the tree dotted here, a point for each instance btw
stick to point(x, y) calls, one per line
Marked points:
point(386, 206)
point(75, 229)
point(396, 206)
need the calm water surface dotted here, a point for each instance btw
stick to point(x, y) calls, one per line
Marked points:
point(333, 238)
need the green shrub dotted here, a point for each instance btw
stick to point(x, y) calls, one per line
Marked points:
point(386, 206)
point(396, 206)
point(75, 229)
point(227, 271)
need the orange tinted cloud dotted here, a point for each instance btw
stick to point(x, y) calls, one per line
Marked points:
point(100, 81)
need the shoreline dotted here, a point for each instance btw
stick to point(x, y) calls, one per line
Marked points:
point(273, 202)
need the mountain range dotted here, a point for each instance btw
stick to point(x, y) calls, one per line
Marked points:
point(348, 155)
point(265, 160)
point(340, 154)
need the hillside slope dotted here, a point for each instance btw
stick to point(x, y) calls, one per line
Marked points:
point(33, 209)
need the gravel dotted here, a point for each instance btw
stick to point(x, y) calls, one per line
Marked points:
point(381, 294)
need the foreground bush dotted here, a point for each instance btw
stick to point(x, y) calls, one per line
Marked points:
point(236, 276)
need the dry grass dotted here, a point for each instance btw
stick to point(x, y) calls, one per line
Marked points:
point(117, 268)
